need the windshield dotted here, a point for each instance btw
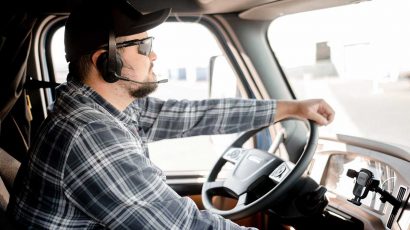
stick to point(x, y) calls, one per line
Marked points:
point(357, 57)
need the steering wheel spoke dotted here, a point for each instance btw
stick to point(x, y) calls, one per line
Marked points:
point(209, 186)
point(252, 167)
point(241, 201)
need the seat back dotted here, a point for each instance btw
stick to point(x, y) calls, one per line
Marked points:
point(5, 223)
point(8, 171)
point(4, 195)
point(16, 25)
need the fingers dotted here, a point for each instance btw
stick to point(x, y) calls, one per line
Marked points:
point(319, 118)
point(317, 110)
point(323, 113)
point(328, 113)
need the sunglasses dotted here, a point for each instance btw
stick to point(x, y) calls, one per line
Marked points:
point(144, 45)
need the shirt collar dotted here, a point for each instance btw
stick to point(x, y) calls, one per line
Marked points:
point(88, 96)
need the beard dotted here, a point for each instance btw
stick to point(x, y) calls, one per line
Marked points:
point(144, 90)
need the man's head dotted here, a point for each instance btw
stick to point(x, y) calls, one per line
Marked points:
point(128, 53)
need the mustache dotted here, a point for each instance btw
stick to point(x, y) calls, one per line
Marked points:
point(151, 66)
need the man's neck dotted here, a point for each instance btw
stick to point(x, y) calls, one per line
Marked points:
point(113, 93)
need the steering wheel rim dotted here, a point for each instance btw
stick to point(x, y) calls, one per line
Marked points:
point(242, 209)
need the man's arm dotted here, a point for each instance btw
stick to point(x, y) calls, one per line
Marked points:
point(171, 119)
point(174, 119)
point(109, 179)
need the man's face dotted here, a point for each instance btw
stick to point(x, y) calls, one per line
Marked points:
point(137, 66)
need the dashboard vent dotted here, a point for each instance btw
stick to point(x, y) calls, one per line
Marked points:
point(400, 195)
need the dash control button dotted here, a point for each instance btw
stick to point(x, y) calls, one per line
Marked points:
point(280, 172)
point(233, 155)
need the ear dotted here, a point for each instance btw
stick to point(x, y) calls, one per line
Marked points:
point(96, 55)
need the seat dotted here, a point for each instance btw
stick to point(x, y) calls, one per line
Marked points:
point(4, 196)
point(15, 41)
point(8, 171)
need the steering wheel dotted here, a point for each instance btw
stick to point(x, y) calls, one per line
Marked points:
point(250, 167)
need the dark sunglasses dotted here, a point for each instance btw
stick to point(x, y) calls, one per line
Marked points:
point(144, 45)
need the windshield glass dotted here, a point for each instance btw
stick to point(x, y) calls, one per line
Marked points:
point(357, 57)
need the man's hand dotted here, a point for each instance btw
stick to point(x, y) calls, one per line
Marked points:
point(314, 109)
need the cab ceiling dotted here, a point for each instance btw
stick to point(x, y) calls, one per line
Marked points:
point(247, 9)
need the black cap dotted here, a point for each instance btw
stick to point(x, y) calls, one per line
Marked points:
point(88, 26)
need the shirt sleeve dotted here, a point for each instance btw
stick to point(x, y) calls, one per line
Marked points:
point(175, 119)
point(108, 178)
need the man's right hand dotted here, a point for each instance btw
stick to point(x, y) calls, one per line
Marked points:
point(313, 109)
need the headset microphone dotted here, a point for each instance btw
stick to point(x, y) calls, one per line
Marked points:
point(140, 82)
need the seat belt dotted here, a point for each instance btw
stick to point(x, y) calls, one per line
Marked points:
point(36, 84)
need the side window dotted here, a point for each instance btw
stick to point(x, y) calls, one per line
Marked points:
point(187, 53)
point(58, 56)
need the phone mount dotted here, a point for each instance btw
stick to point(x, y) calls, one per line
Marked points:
point(364, 183)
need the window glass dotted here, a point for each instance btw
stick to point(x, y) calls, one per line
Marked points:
point(184, 53)
point(58, 56)
point(357, 58)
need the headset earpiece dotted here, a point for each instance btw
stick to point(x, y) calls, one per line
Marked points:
point(109, 63)
point(109, 75)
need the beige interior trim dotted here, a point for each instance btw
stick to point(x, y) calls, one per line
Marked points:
point(279, 8)
point(4, 196)
point(8, 168)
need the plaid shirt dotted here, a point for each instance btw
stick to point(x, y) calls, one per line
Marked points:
point(89, 166)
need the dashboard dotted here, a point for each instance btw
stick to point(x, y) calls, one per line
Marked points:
point(336, 181)
point(390, 165)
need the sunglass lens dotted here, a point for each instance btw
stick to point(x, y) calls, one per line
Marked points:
point(145, 47)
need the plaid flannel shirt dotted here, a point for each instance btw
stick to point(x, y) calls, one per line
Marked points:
point(89, 165)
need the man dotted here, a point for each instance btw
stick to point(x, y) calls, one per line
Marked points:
point(89, 166)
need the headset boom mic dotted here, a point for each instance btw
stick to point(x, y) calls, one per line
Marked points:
point(140, 82)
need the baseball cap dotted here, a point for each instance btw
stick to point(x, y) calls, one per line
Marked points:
point(89, 24)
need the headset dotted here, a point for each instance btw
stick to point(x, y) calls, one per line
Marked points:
point(109, 63)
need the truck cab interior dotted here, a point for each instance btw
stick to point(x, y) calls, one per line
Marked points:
point(291, 175)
